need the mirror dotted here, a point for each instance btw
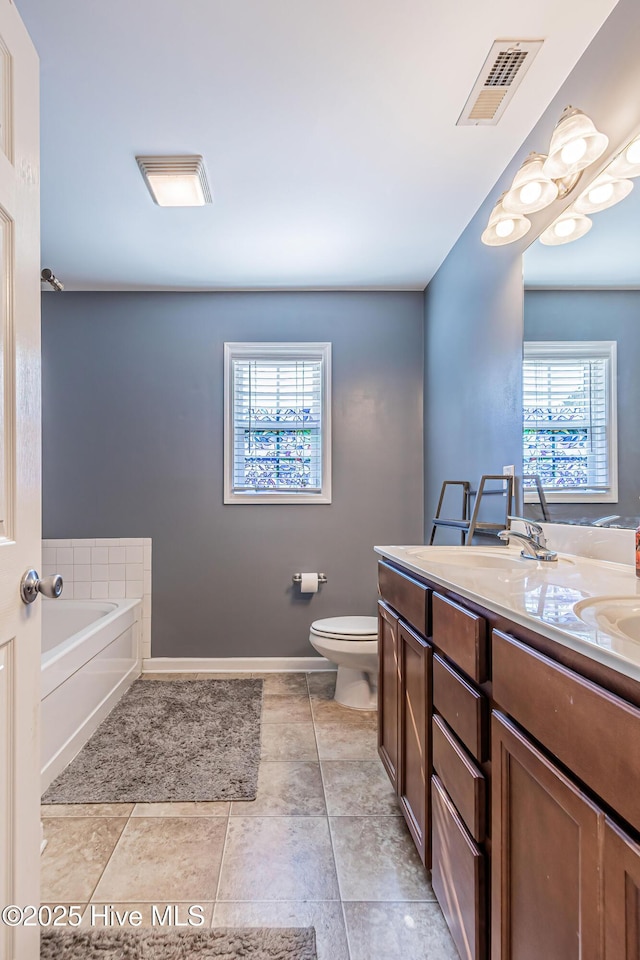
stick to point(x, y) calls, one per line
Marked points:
point(589, 290)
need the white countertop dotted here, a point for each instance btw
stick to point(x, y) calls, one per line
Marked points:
point(540, 596)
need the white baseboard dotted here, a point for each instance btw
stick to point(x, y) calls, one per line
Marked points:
point(235, 664)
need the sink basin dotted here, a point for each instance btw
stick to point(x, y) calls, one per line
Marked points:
point(618, 615)
point(473, 558)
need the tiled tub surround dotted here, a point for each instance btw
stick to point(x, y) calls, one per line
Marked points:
point(323, 844)
point(104, 569)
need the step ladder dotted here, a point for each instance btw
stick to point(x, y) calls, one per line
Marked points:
point(470, 525)
point(544, 508)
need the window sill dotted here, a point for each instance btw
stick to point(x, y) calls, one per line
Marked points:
point(572, 497)
point(277, 498)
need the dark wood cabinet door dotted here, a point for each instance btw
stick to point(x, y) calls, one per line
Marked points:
point(459, 877)
point(388, 691)
point(621, 895)
point(545, 889)
point(415, 737)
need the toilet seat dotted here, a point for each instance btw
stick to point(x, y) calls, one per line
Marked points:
point(349, 629)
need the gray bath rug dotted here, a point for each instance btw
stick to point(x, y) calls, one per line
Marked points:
point(175, 740)
point(218, 944)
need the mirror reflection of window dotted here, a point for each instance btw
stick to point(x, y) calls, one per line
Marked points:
point(584, 292)
point(569, 420)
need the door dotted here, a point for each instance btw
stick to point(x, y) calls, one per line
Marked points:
point(545, 863)
point(388, 691)
point(20, 525)
point(621, 895)
point(415, 739)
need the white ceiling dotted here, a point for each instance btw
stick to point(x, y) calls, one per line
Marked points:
point(327, 127)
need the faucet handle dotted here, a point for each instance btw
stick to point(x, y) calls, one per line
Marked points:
point(532, 529)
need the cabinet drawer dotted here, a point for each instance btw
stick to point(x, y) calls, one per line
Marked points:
point(592, 732)
point(462, 780)
point(458, 876)
point(462, 636)
point(464, 708)
point(409, 597)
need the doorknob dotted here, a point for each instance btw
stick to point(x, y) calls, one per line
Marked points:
point(31, 585)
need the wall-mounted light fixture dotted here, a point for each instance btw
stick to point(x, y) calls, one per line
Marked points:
point(575, 144)
point(531, 190)
point(504, 226)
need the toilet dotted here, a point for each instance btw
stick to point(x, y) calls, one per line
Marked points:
point(351, 643)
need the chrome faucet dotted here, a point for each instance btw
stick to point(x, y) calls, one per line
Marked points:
point(533, 538)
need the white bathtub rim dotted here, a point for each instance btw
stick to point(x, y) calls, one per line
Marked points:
point(107, 606)
point(64, 660)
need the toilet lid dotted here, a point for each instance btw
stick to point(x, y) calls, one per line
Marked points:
point(347, 626)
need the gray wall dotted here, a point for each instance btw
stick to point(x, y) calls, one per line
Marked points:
point(473, 305)
point(132, 446)
point(598, 315)
point(473, 382)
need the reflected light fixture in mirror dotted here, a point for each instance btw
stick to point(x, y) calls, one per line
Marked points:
point(609, 188)
point(530, 190)
point(504, 226)
point(567, 227)
point(627, 163)
point(604, 192)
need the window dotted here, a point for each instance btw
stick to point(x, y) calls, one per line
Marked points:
point(569, 419)
point(277, 423)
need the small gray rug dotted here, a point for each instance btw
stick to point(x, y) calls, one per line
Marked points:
point(220, 943)
point(174, 740)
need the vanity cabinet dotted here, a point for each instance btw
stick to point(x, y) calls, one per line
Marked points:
point(414, 740)
point(388, 692)
point(545, 885)
point(621, 894)
point(517, 766)
point(404, 718)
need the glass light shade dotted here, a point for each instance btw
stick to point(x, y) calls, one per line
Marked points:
point(604, 192)
point(568, 226)
point(184, 190)
point(530, 190)
point(575, 144)
point(504, 227)
point(627, 163)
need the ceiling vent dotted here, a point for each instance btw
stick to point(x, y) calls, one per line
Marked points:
point(176, 181)
point(500, 77)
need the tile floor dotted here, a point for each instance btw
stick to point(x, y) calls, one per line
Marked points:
point(323, 844)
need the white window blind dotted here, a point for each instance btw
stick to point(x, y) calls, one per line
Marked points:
point(569, 419)
point(277, 423)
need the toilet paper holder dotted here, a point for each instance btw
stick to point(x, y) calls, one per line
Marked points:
point(297, 578)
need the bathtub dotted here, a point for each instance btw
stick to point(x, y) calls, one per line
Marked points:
point(90, 657)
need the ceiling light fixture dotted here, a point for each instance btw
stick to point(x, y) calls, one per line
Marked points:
point(530, 190)
point(575, 144)
point(569, 226)
point(604, 192)
point(504, 226)
point(176, 181)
